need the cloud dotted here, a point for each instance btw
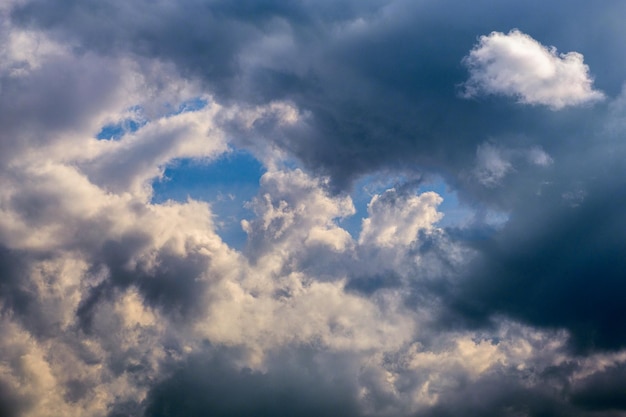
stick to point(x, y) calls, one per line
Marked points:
point(214, 386)
point(544, 267)
point(598, 391)
point(491, 165)
point(516, 65)
point(115, 302)
point(395, 219)
point(494, 163)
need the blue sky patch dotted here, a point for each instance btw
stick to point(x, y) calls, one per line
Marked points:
point(227, 183)
point(116, 130)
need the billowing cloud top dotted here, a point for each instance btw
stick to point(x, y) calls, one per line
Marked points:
point(515, 64)
point(270, 208)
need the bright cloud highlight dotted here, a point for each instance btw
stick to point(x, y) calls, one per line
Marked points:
point(516, 65)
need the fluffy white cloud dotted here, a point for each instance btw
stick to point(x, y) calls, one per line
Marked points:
point(516, 65)
point(396, 218)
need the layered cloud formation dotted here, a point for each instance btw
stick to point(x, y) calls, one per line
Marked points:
point(437, 230)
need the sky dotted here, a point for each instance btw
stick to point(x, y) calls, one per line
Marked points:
point(373, 208)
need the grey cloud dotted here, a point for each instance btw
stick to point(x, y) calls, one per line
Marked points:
point(500, 395)
point(176, 284)
point(372, 282)
point(556, 265)
point(58, 100)
point(601, 391)
point(10, 403)
point(297, 385)
point(19, 295)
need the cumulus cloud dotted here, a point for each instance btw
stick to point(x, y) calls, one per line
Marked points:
point(395, 219)
point(126, 289)
point(116, 303)
point(516, 65)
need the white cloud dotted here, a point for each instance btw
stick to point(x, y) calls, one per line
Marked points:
point(293, 207)
point(395, 218)
point(516, 65)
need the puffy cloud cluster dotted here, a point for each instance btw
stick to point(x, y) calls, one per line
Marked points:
point(105, 293)
point(116, 303)
point(395, 220)
point(514, 64)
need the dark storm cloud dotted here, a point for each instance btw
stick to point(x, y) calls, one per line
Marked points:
point(298, 383)
point(204, 39)
point(18, 293)
point(174, 284)
point(506, 392)
point(10, 404)
point(602, 391)
point(11, 266)
point(502, 396)
point(370, 283)
point(558, 263)
point(295, 386)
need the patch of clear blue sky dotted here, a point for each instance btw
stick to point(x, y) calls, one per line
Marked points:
point(227, 183)
point(455, 214)
point(116, 130)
